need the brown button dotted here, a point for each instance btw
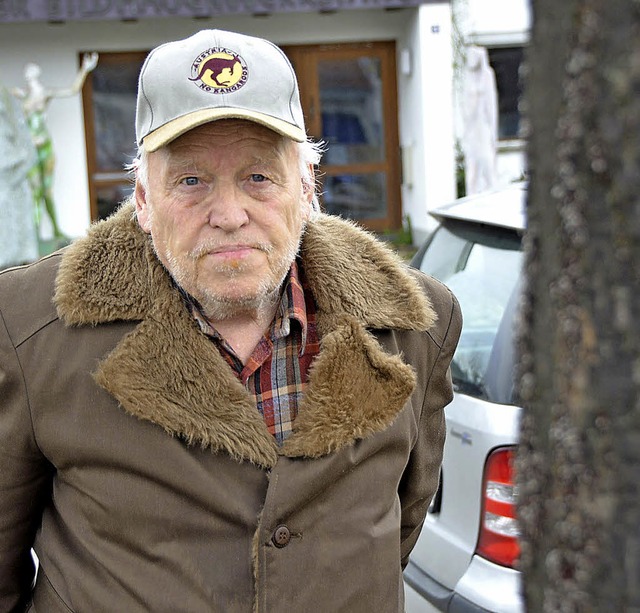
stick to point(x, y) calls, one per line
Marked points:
point(281, 536)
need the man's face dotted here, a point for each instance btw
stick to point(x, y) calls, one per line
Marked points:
point(225, 207)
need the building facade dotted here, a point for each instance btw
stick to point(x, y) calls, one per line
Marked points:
point(376, 78)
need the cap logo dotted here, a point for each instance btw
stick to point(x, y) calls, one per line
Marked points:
point(219, 71)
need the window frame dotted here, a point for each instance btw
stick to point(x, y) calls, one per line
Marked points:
point(305, 59)
point(115, 177)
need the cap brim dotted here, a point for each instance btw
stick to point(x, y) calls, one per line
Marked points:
point(171, 130)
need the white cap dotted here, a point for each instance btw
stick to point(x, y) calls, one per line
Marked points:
point(216, 75)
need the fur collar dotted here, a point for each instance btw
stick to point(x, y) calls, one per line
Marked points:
point(166, 371)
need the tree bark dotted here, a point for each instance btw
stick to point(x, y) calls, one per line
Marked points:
point(579, 346)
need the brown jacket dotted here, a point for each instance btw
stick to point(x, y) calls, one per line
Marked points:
point(136, 465)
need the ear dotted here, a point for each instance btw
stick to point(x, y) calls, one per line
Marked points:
point(143, 212)
point(308, 190)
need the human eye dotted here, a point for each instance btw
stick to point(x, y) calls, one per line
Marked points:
point(190, 181)
point(260, 177)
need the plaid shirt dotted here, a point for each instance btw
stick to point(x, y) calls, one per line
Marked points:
point(276, 373)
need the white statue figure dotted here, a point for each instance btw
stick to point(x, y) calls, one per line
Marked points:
point(35, 99)
point(480, 117)
point(18, 237)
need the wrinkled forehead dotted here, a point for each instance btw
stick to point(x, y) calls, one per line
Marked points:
point(223, 139)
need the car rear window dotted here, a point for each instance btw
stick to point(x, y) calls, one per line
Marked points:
point(482, 267)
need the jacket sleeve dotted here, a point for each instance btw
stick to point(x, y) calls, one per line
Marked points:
point(24, 479)
point(420, 479)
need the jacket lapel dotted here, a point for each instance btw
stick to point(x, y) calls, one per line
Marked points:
point(167, 372)
point(195, 397)
point(355, 390)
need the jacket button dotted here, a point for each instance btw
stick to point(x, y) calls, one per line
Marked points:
point(281, 536)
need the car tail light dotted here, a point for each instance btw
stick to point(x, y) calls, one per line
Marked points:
point(498, 540)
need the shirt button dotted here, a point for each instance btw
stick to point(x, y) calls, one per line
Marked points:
point(281, 536)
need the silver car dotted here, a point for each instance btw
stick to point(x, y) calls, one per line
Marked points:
point(466, 557)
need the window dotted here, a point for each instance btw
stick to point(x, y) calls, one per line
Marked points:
point(482, 266)
point(506, 62)
point(109, 101)
point(348, 94)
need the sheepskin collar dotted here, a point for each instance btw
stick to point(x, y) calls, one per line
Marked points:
point(166, 371)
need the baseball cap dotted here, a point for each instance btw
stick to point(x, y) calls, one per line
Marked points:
point(213, 75)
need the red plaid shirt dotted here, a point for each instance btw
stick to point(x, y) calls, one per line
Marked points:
point(276, 373)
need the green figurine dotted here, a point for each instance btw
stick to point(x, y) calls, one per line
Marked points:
point(35, 99)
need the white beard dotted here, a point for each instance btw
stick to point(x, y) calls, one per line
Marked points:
point(217, 305)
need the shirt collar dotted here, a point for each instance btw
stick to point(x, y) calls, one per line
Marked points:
point(292, 307)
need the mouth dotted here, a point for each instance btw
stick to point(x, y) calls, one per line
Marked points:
point(231, 256)
point(229, 250)
point(232, 251)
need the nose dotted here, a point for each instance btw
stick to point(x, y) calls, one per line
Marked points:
point(227, 209)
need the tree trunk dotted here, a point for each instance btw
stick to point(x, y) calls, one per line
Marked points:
point(579, 461)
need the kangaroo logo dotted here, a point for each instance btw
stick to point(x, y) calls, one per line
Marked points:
point(219, 71)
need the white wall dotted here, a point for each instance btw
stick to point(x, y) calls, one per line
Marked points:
point(498, 22)
point(426, 117)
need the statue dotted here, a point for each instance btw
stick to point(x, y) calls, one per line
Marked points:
point(18, 236)
point(35, 99)
point(480, 118)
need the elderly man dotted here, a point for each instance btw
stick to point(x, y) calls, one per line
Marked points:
point(233, 402)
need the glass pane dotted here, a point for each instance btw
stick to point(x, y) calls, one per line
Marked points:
point(109, 198)
point(506, 64)
point(356, 196)
point(114, 108)
point(352, 113)
point(482, 269)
